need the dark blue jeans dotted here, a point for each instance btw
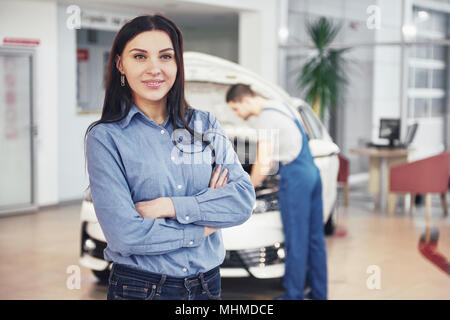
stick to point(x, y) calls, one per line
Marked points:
point(128, 283)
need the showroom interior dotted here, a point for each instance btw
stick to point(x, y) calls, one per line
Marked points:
point(387, 222)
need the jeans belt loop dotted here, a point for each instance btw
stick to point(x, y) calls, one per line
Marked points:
point(160, 284)
point(203, 282)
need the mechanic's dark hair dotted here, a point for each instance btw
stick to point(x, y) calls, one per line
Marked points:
point(238, 91)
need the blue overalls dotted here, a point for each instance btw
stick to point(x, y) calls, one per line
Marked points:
point(300, 202)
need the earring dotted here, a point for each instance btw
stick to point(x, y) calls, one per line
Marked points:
point(122, 80)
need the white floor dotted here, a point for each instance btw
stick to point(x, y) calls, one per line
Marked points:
point(372, 256)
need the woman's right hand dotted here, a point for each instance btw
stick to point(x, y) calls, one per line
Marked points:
point(218, 179)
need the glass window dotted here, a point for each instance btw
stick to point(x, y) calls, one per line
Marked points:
point(421, 107)
point(438, 21)
point(423, 51)
point(438, 78)
point(428, 72)
point(422, 18)
point(411, 77)
point(410, 108)
point(421, 78)
point(437, 107)
point(93, 47)
point(439, 53)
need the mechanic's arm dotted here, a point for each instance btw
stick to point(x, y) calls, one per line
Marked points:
point(263, 164)
point(125, 230)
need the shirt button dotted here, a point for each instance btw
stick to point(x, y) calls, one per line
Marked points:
point(184, 269)
point(187, 218)
point(179, 186)
point(191, 243)
point(162, 131)
point(172, 158)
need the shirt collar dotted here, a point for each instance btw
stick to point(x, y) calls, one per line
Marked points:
point(135, 110)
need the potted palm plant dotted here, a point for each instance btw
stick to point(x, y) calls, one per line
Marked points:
point(323, 76)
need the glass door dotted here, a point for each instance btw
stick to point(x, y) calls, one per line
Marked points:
point(16, 131)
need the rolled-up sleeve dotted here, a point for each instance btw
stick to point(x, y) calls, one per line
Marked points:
point(227, 206)
point(126, 232)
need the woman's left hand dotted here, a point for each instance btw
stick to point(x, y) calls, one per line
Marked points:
point(157, 208)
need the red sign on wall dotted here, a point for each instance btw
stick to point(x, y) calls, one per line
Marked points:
point(21, 42)
point(82, 55)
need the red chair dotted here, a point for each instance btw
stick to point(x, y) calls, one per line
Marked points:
point(342, 177)
point(426, 176)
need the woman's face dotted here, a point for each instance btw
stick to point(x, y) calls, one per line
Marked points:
point(148, 62)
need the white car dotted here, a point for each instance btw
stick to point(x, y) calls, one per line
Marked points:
point(255, 248)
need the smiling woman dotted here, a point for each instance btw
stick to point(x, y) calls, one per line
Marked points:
point(161, 217)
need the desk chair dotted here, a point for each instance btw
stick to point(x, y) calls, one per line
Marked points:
point(426, 176)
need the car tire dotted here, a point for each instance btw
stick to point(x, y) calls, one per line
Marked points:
point(102, 275)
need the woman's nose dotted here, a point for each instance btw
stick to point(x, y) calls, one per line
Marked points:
point(153, 68)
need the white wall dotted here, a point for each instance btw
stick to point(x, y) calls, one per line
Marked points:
point(258, 33)
point(31, 19)
point(387, 66)
point(72, 176)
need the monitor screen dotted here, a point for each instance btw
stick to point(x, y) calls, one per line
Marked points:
point(390, 129)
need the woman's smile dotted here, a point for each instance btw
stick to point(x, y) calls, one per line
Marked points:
point(153, 84)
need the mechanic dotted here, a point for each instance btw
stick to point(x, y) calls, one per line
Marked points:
point(300, 189)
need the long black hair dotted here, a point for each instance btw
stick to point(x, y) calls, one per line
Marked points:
point(179, 110)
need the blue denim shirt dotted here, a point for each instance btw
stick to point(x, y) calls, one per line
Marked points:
point(135, 160)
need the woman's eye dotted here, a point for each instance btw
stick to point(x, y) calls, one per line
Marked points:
point(139, 56)
point(166, 56)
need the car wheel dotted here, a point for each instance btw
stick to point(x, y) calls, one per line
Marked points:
point(102, 275)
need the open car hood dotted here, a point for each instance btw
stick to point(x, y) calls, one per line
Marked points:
point(209, 77)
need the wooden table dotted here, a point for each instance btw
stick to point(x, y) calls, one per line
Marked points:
point(380, 161)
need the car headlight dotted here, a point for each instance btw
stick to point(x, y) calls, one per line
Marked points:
point(89, 245)
point(260, 206)
point(281, 253)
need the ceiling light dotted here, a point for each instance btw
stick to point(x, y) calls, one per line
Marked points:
point(283, 34)
point(423, 15)
point(409, 30)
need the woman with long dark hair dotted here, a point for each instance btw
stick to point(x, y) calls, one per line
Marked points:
point(163, 176)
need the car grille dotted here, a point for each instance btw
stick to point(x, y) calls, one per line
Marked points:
point(259, 257)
